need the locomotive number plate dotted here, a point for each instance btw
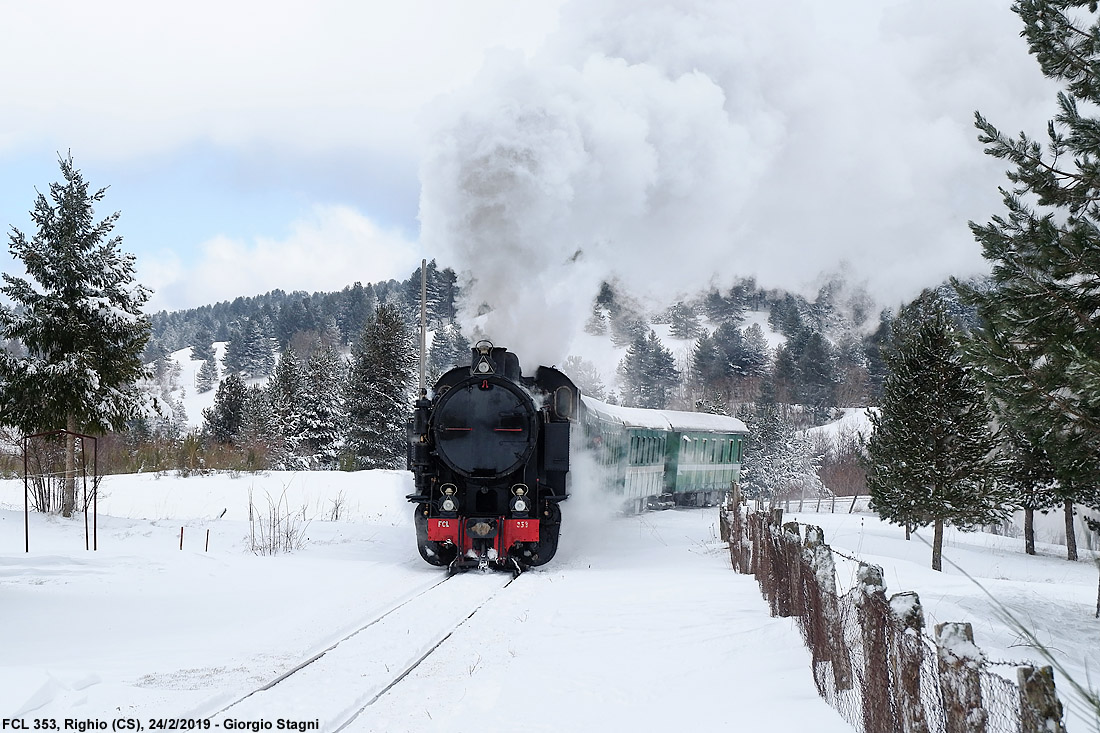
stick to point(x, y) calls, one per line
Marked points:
point(443, 529)
point(521, 530)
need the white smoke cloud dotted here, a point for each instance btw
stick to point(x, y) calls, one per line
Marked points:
point(666, 145)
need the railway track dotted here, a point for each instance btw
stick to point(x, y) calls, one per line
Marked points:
point(335, 685)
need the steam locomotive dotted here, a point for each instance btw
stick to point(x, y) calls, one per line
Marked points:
point(489, 452)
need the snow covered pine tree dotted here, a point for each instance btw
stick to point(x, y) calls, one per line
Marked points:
point(379, 391)
point(1040, 343)
point(81, 325)
point(931, 451)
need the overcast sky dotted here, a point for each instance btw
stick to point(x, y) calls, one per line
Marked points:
point(539, 146)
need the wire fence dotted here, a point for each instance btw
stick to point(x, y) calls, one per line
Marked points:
point(871, 656)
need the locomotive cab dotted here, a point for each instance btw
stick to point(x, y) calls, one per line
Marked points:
point(489, 451)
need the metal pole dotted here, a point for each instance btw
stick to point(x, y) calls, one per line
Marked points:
point(95, 494)
point(423, 323)
point(84, 477)
point(26, 500)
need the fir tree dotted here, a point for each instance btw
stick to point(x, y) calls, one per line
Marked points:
point(251, 352)
point(323, 415)
point(259, 433)
point(783, 385)
point(649, 374)
point(203, 347)
point(1030, 473)
point(379, 391)
point(287, 394)
point(1039, 345)
point(725, 308)
point(596, 325)
point(707, 368)
point(449, 349)
point(585, 375)
point(683, 321)
point(930, 456)
point(206, 377)
point(817, 373)
point(778, 459)
point(223, 419)
point(627, 327)
point(78, 318)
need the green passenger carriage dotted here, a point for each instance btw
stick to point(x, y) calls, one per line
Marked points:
point(658, 458)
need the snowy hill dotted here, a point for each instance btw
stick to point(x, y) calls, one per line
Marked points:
point(181, 387)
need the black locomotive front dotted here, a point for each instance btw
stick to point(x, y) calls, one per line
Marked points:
point(489, 453)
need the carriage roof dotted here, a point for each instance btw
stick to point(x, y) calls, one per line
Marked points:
point(679, 420)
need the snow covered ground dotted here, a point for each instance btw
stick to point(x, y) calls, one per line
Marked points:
point(638, 624)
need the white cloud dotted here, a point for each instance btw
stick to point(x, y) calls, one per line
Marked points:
point(127, 77)
point(330, 250)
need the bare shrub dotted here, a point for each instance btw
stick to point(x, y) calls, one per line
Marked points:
point(840, 469)
point(276, 530)
point(337, 507)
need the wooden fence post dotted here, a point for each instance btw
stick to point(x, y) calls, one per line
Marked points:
point(906, 660)
point(960, 662)
point(873, 618)
point(1040, 708)
point(833, 649)
point(791, 545)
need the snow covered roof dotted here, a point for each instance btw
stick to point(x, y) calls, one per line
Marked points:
point(635, 417)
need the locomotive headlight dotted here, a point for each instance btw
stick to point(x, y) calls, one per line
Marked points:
point(449, 503)
point(518, 504)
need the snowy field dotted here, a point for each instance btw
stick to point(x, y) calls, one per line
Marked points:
point(638, 624)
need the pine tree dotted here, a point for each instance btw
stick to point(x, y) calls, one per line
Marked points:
point(707, 368)
point(930, 456)
point(649, 374)
point(1030, 473)
point(585, 375)
point(223, 419)
point(777, 458)
point(783, 384)
point(323, 415)
point(206, 377)
point(250, 353)
point(288, 394)
point(78, 318)
point(596, 325)
point(449, 349)
point(817, 372)
point(725, 308)
point(259, 434)
point(379, 391)
point(1039, 345)
point(203, 347)
point(683, 321)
